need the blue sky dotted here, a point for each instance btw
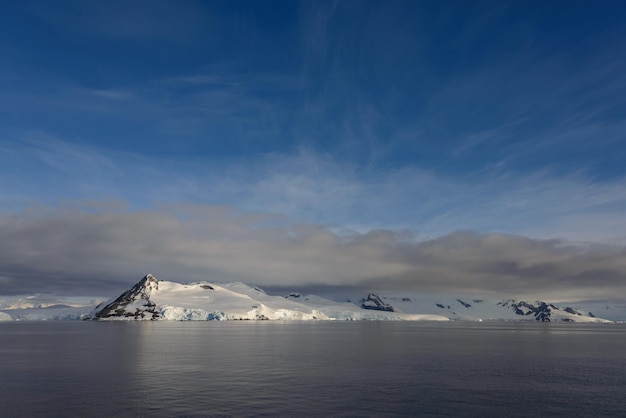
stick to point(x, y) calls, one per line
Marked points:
point(420, 118)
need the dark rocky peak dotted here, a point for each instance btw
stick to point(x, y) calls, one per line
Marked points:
point(543, 312)
point(140, 292)
point(143, 288)
point(540, 311)
point(375, 302)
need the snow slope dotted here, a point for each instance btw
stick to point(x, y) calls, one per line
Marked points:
point(152, 299)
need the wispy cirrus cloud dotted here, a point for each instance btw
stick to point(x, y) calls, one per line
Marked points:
point(318, 188)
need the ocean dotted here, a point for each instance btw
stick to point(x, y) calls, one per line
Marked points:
point(295, 369)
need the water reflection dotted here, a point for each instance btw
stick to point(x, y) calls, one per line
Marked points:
point(316, 368)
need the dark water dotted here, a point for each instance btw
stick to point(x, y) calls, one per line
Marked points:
point(311, 369)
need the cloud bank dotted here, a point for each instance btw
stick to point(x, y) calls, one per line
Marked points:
point(91, 252)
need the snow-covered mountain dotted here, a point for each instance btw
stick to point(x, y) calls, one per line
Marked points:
point(152, 299)
point(472, 309)
point(52, 313)
point(41, 307)
point(42, 301)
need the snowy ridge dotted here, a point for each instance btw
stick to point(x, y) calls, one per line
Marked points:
point(40, 301)
point(472, 309)
point(52, 313)
point(41, 307)
point(161, 300)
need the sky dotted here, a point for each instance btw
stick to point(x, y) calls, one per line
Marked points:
point(458, 147)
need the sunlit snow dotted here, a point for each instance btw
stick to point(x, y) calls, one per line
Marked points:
point(233, 301)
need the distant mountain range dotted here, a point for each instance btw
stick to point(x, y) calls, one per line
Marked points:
point(484, 310)
point(151, 299)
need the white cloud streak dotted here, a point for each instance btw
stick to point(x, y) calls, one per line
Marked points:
point(317, 188)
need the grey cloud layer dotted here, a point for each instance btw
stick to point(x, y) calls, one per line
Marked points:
point(97, 253)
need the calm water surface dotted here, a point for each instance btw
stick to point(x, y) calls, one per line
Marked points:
point(294, 369)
